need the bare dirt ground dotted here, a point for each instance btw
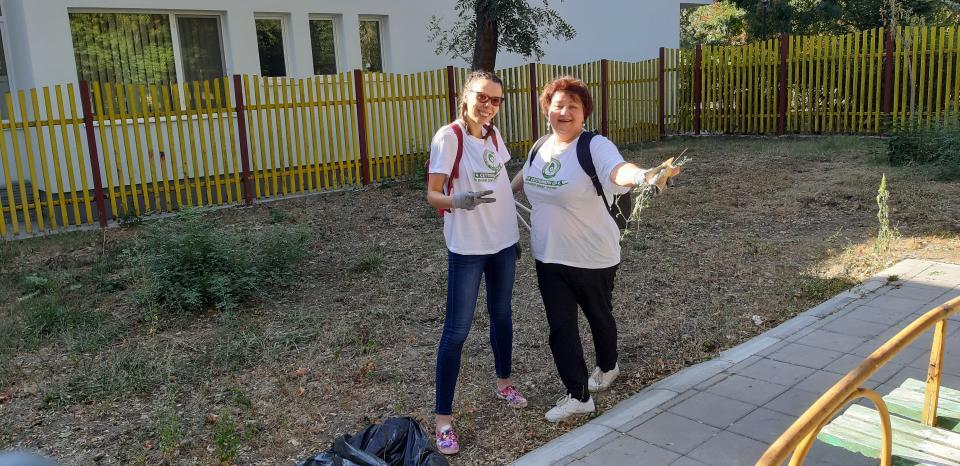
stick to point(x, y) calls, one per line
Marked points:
point(756, 230)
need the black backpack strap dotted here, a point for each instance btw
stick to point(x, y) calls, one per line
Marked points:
point(586, 163)
point(536, 148)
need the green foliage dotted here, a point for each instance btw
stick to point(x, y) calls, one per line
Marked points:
point(520, 28)
point(185, 264)
point(45, 318)
point(369, 261)
point(719, 23)
point(886, 234)
point(128, 371)
point(227, 437)
point(143, 40)
point(169, 426)
point(820, 289)
point(936, 143)
point(766, 18)
point(270, 46)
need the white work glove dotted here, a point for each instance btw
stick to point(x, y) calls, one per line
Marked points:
point(471, 199)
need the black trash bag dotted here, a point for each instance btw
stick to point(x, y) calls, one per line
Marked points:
point(399, 441)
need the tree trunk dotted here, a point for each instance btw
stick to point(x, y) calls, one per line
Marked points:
point(488, 34)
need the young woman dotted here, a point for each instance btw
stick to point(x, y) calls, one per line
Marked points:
point(575, 241)
point(481, 233)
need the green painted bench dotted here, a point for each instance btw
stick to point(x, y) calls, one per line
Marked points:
point(858, 428)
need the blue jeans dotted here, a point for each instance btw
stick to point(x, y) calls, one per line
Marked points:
point(463, 285)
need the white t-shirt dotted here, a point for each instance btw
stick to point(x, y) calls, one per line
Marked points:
point(489, 228)
point(570, 224)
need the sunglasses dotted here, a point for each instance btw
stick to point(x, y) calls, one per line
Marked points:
point(484, 98)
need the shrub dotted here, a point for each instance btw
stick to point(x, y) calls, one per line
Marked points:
point(186, 264)
point(936, 143)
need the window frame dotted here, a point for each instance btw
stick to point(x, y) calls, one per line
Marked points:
point(284, 36)
point(380, 20)
point(335, 20)
point(8, 63)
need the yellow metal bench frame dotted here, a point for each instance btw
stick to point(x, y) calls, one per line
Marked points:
point(799, 437)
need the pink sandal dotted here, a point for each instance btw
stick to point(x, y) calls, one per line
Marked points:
point(447, 441)
point(513, 397)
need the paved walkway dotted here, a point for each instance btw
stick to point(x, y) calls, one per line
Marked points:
point(728, 410)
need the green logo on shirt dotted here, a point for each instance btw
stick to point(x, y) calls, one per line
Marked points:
point(490, 160)
point(550, 170)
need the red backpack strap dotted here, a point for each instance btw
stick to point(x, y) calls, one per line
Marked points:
point(455, 171)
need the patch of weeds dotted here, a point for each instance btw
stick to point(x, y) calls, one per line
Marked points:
point(277, 215)
point(45, 318)
point(184, 264)
point(105, 276)
point(893, 278)
point(369, 262)
point(239, 398)
point(37, 284)
point(169, 426)
point(886, 235)
point(237, 347)
point(821, 289)
point(228, 437)
point(124, 372)
point(6, 253)
point(935, 143)
point(129, 217)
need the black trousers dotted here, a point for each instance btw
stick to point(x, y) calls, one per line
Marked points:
point(563, 288)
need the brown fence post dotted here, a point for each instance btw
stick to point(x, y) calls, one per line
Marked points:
point(604, 97)
point(246, 177)
point(887, 78)
point(782, 86)
point(451, 94)
point(661, 105)
point(697, 90)
point(534, 105)
point(362, 127)
point(94, 154)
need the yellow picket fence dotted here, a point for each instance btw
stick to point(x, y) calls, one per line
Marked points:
point(857, 83)
point(110, 152)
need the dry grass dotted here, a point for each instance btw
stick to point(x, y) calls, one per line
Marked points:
point(759, 227)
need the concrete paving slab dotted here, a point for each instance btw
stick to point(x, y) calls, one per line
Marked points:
point(729, 449)
point(822, 338)
point(747, 390)
point(627, 450)
point(711, 409)
point(674, 432)
point(777, 372)
point(806, 356)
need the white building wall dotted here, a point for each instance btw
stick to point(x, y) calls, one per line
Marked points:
point(39, 32)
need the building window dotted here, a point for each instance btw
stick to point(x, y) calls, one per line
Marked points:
point(200, 49)
point(371, 55)
point(139, 48)
point(270, 46)
point(324, 47)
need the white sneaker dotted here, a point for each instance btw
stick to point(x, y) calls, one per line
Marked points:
point(600, 380)
point(569, 406)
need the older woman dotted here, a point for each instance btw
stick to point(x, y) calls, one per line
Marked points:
point(466, 176)
point(575, 241)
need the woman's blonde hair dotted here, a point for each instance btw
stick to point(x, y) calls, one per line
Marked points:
point(475, 76)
